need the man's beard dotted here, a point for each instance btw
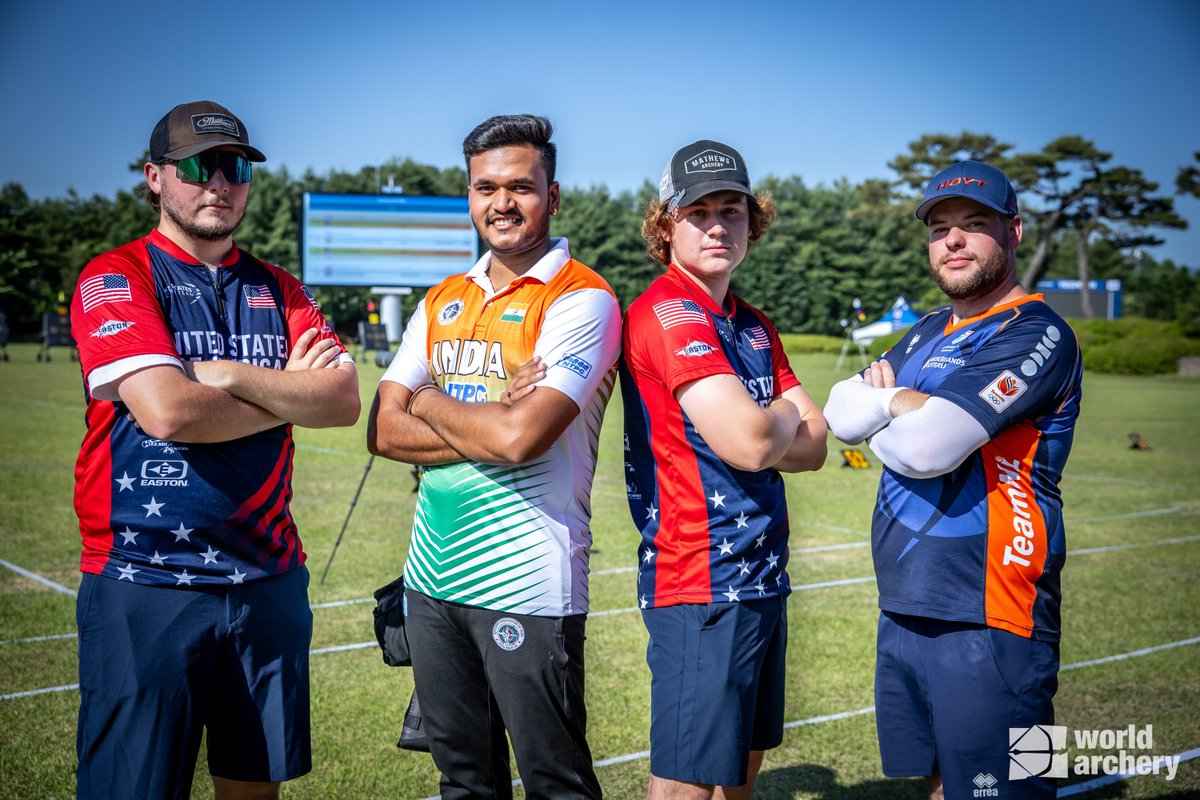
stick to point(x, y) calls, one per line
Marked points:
point(991, 273)
point(213, 231)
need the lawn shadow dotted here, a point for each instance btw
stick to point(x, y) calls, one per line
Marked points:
point(820, 781)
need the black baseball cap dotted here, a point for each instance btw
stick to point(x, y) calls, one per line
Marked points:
point(702, 168)
point(192, 128)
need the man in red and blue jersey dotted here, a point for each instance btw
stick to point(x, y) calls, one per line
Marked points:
point(972, 414)
point(197, 361)
point(713, 412)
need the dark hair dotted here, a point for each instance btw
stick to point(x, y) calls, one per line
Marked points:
point(510, 130)
point(659, 220)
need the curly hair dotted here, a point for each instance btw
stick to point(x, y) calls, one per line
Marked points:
point(659, 220)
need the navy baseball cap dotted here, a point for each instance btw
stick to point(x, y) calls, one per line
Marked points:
point(702, 168)
point(973, 180)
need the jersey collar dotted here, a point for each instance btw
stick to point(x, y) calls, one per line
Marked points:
point(176, 252)
point(675, 273)
point(543, 271)
point(962, 323)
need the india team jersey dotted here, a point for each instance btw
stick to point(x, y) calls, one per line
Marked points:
point(515, 537)
point(178, 513)
point(985, 542)
point(711, 533)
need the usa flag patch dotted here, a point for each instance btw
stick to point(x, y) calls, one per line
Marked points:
point(759, 340)
point(107, 288)
point(679, 312)
point(259, 296)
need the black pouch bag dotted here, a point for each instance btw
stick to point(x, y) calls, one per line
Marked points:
point(389, 624)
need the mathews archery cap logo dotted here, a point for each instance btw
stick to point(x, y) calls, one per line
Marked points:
point(214, 123)
point(710, 161)
point(508, 634)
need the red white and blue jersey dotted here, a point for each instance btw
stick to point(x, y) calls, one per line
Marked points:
point(711, 533)
point(174, 513)
point(984, 543)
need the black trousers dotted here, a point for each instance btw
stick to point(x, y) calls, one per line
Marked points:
point(481, 673)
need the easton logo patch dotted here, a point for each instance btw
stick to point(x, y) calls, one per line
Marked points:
point(110, 327)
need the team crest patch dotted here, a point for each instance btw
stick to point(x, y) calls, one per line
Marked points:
point(1001, 392)
point(450, 311)
point(508, 634)
point(515, 312)
point(694, 349)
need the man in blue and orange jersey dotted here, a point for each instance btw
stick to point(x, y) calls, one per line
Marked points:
point(972, 414)
point(496, 579)
point(197, 360)
point(713, 412)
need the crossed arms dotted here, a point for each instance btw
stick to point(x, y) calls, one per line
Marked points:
point(219, 401)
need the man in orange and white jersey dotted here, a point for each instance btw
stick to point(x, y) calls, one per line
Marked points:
point(497, 570)
point(972, 414)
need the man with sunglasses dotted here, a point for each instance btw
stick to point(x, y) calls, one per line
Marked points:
point(197, 360)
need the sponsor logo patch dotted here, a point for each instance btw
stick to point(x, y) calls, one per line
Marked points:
point(508, 634)
point(110, 327)
point(694, 349)
point(184, 290)
point(164, 472)
point(214, 123)
point(576, 364)
point(1002, 391)
point(1041, 353)
point(450, 311)
point(710, 161)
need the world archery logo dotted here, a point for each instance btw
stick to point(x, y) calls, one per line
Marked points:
point(1033, 752)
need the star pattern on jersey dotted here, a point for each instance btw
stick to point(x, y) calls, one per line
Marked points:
point(726, 547)
point(237, 577)
point(183, 579)
point(127, 573)
point(210, 556)
point(772, 560)
point(732, 595)
point(652, 513)
point(718, 500)
point(182, 533)
point(762, 537)
point(743, 567)
point(129, 536)
point(742, 520)
point(152, 508)
point(126, 482)
point(643, 602)
point(648, 556)
point(761, 588)
point(158, 560)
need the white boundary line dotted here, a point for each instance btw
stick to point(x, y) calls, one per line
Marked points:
point(1105, 780)
point(33, 576)
point(1131, 654)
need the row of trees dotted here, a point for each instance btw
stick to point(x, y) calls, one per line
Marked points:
point(1084, 217)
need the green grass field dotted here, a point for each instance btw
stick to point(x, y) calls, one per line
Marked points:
point(1130, 589)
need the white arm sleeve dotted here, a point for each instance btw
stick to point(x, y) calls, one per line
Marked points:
point(930, 441)
point(579, 342)
point(857, 410)
point(410, 367)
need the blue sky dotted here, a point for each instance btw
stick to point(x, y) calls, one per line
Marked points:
point(824, 91)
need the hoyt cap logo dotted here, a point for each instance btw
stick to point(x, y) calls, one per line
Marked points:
point(192, 128)
point(973, 180)
point(702, 168)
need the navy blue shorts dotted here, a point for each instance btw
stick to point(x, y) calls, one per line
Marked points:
point(716, 690)
point(946, 694)
point(159, 665)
